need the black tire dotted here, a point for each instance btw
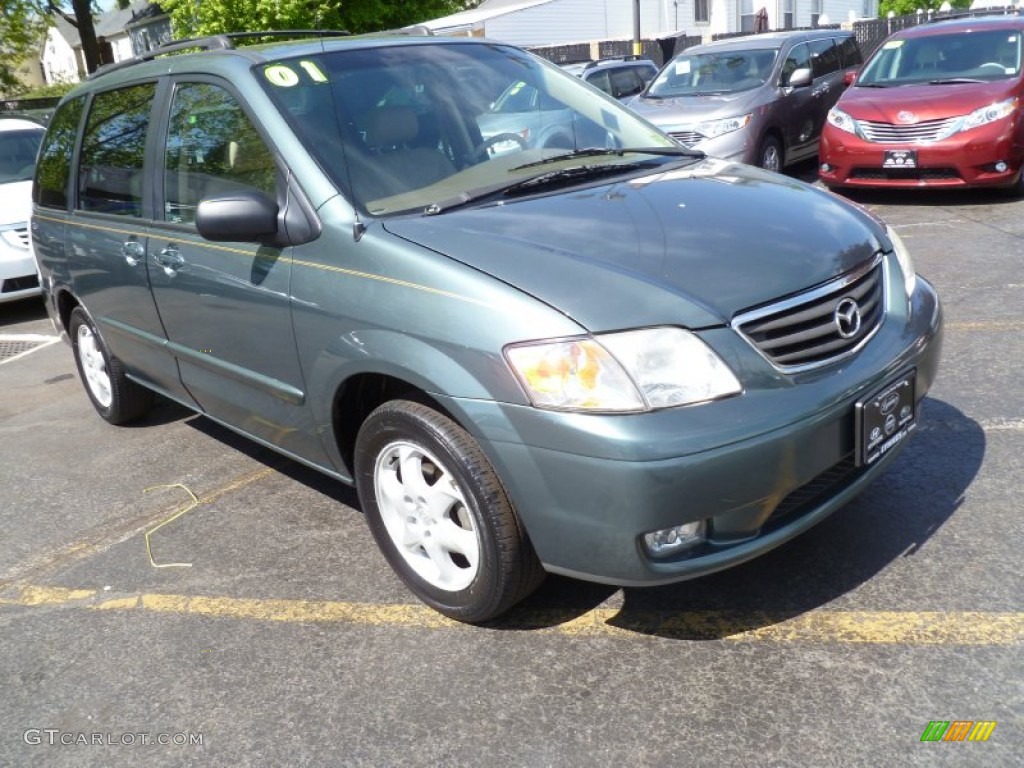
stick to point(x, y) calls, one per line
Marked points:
point(769, 156)
point(402, 439)
point(1016, 189)
point(114, 396)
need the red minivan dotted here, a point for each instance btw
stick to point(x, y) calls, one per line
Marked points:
point(938, 105)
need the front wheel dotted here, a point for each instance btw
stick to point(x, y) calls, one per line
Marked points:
point(116, 398)
point(769, 156)
point(440, 515)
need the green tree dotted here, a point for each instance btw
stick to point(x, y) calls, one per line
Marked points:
point(23, 23)
point(21, 30)
point(909, 7)
point(190, 18)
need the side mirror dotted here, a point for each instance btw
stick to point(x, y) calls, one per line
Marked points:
point(248, 216)
point(800, 78)
point(849, 76)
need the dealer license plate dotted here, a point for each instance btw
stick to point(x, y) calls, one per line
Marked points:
point(899, 158)
point(885, 419)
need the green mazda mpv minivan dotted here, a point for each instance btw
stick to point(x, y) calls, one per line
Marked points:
point(609, 357)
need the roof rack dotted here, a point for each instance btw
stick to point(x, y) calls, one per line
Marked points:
point(627, 57)
point(213, 43)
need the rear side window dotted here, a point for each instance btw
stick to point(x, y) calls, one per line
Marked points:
point(824, 57)
point(212, 149)
point(849, 52)
point(110, 178)
point(54, 166)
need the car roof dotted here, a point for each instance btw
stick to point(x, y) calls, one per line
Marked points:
point(19, 124)
point(1009, 21)
point(197, 54)
point(767, 40)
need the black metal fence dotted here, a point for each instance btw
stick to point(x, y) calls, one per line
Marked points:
point(657, 50)
point(870, 34)
point(38, 109)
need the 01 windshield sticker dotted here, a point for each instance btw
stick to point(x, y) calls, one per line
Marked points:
point(284, 76)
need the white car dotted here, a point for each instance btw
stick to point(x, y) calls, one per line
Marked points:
point(19, 144)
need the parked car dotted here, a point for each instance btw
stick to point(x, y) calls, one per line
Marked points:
point(19, 143)
point(572, 362)
point(620, 77)
point(937, 105)
point(527, 117)
point(760, 99)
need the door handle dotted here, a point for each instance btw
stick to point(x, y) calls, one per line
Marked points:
point(170, 259)
point(133, 252)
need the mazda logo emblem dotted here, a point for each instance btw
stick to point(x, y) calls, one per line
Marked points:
point(847, 318)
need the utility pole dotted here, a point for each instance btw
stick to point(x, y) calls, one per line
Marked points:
point(636, 28)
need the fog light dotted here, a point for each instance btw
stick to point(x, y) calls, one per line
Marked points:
point(825, 167)
point(1001, 167)
point(668, 541)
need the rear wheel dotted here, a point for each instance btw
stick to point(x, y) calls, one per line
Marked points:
point(114, 396)
point(440, 515)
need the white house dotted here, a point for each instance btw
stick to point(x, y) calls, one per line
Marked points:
point(62, 60)
point(121, 34)
point(554, 22)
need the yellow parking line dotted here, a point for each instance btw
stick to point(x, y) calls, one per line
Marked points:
point(987, 325)
point(862, 627)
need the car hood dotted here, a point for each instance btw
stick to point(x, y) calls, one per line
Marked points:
point(15, 202)
point(686, 110)
point(690, 246)
point(924, 102)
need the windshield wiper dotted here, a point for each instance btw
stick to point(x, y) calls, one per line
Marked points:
point(955, 81)
point(598, 151)
point(859, 84)
point(558, 177)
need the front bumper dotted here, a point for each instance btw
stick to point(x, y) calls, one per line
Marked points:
point(967, 159)
point(758, 469)
point(18, 276)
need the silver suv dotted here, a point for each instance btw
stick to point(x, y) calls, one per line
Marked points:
point(759, 99)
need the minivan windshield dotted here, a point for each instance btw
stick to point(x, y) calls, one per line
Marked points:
point(700, 74)
point(18, 154)
point(978, 56)
point(413, 127)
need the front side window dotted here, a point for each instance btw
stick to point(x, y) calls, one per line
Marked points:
point(54, 166)
point(799, 58)
point(212, 149)
point(110, 173)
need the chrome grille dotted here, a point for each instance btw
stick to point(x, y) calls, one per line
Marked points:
point(686, 138)
point(803, 332)
point(918, 133)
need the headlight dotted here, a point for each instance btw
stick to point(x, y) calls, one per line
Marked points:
point(714, 128)
point(903, 257)
point(621, 372)
point(982, 116)
point(841, 120)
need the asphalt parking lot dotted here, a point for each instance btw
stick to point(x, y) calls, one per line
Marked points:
point(262, 627)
